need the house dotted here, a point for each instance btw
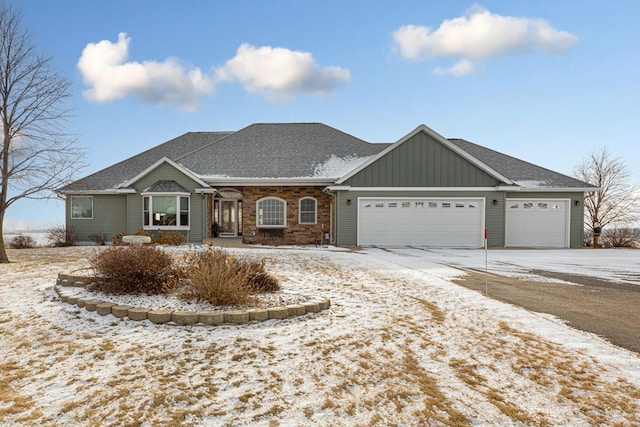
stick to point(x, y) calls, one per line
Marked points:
point(304, 183)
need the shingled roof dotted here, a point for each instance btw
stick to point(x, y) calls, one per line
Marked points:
point(112, 177)
point(283, 150)
point(523, 174)
point(294, 152)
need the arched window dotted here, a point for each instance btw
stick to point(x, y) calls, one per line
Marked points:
point(271, 212)
point(308, 210)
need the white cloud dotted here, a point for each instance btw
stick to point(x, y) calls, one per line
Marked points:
point(278, 73)
point(461, 68)
point(105, 70)
point(480, 34)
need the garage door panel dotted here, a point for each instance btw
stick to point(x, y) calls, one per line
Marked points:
point(541, 223)
point(421, 222)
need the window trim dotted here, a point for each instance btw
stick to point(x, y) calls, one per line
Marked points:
point(258, 225)
point(178, 196)
point(71, 207)
point(315, 211)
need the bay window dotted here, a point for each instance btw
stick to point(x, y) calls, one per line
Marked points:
point(165, 211)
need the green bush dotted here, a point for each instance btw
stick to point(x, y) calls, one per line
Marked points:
point(134, 270)
point(22, 241)
point(218, 278)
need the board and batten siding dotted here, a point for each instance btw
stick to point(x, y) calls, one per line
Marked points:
point(109, 217)
point(421, 161)
point(347, 226)
point(167, 172)
point(576, 214)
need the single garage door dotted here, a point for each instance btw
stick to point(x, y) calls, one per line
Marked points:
point(537, 223)
point(421, 222)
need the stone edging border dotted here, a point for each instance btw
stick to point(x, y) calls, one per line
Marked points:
point(182, 318)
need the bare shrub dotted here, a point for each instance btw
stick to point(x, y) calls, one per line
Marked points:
point(98, 238)
point(171, 238)
point(61, 236)
point(622, 237)
point(216, 277)
point(134, 270)
point(22, 241)
point(587, 238)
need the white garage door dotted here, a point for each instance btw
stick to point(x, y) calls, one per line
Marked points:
point(537, 223)
point(421, 222)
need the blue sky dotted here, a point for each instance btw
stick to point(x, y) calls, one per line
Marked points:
point(547, 82)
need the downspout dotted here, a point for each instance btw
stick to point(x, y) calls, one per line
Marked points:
point(331, 224)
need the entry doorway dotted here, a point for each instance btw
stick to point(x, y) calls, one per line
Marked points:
point(228, 217)
point(227, 213)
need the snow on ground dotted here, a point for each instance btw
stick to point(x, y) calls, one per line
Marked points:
point(401, 345)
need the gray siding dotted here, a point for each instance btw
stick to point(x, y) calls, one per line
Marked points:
point(576, 216)
point(422, 161)
point(109, 217)
point(347, 229)
point(168, 172)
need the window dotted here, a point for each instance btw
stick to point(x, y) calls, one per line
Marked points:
point(82, 207)
point(170, 211)
point(271, 212)
point(432, 205)
point(406, 204)
point(446, 205)
point(393, 204)
point(308, 210)
point(419, 204)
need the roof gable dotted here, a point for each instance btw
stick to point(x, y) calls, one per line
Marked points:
point(114, 176)
point(423, 158)
point(159, 163)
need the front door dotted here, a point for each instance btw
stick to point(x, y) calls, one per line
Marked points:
point(228, 217)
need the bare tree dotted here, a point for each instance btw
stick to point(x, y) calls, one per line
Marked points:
point(615, 203)
point(36, 155)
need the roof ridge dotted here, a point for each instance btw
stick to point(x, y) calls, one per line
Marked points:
point(228, 134)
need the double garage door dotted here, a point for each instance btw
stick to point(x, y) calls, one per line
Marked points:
point(421, 222)
point(459, 222)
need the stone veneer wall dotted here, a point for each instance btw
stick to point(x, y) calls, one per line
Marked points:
point(294, 233)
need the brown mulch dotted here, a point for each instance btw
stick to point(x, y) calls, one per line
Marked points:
point(610, 310)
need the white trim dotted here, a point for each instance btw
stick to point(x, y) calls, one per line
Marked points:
point(553, 189)
point(263, 182)
point(501, 188)
point(315, 211)
point(567, 236)
point(206, 190)
point(157, 164)
point(337, 188)
point(96, 192)
point(258, 215)
point(438, 189)
point(178, 211)
point(439, 138)
point(165, 193)
point(71, 208)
